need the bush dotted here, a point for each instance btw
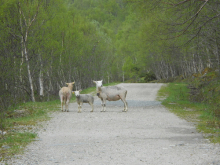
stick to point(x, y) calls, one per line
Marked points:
point(150, 76)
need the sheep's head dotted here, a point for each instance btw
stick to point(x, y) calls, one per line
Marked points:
point(98, 83)
point(77, 93)
point(70, 84)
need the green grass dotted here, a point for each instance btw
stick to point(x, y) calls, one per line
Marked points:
point(15, 143)
point(18, 123)
point(177, 101)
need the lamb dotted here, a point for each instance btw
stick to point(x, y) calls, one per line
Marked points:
point(65, 95)
point(83, 98)
point(111, 93)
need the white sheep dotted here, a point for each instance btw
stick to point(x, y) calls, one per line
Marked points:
point(111, 93)
point(65, 94)
point(83, 98)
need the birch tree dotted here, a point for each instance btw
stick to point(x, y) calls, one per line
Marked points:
point(28, 17)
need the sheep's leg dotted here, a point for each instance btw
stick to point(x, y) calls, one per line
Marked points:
point(61, 105)
point(61, 100)
point(125, 105)
point(122, 97)
point(67, 105)
point(79, 107)
point(92, 107)
point(64, 102)
point(103, 105)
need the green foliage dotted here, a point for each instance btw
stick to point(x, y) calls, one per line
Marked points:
point(94, 39)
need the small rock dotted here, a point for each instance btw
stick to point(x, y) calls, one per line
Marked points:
point(6, 147)
point(2, 132)
point(181, 144)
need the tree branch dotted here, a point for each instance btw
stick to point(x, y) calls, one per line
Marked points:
point(193, 17)
point(181, 2)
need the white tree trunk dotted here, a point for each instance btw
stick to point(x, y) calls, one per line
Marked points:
point(29, 74)
point(41, 84)
point(27, 22)
point(217, 55)
point(41, 77)
point(22, 61)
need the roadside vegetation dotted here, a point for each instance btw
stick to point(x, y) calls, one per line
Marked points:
point(20, 124)
point(196, 99)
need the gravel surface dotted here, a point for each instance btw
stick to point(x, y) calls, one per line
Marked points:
point(148, 134)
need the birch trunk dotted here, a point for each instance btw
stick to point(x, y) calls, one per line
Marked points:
point(41, 78)
point(29, 74)
point(25, 24)
point(217, 54)
point(41, 84)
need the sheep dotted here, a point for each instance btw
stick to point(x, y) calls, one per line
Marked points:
point(111, 93)
point(65, 95)
point(83, 98)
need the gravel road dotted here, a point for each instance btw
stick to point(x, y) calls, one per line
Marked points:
point(148, 134)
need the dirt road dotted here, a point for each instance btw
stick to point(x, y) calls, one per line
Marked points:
point(147, 134)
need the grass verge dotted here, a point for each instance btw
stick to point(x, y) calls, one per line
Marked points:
point(19, 123)
point(177, 101)
point(19, 126)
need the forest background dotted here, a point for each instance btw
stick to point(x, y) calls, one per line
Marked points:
point(45, 44)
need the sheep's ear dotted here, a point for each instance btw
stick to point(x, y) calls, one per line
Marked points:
point(73, 82)
point(94, 81)
point(101, 80)
point(80, 90)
